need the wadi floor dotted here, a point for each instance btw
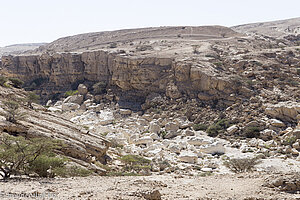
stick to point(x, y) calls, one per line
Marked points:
point(239, 186)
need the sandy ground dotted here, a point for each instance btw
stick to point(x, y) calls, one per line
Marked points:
point(239, 186)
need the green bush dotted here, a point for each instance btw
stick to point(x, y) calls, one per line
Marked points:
point(289, 140)
point(134, 159)
point(21, 156)
point(3, 80)
point(71, 171)
point(239, 165)
point(99, 88)
point(43, 163)
point(32, 98)
point(252, 132)
point(135, 162)
point(163, 134)
point(16, 82)
point(71, 93)
point(218, 127)
point(200, 127)
point(13, 113)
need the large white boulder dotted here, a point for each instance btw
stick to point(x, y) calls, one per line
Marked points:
point(74, 99)
point(214, 148)
point(70, 106)
point(154, 136)
point(171, 126)
point(55, 108)
point(188, 157)
point(173, 147)
point(125, 112)
point(143, 122)
point(197, 141)
point(232, 129)
point(188, 132)
point(82, 89)
point(277, 123)
point(144, 140)
point(283, 110)
point(104, 122)
point(154, 127)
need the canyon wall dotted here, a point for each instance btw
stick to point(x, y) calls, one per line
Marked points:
point(125, 76)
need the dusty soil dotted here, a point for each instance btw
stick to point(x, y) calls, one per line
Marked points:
point(238, 186)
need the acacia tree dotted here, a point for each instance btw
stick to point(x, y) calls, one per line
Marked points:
point(18, 155)
point(12, 111)
point(32, 98)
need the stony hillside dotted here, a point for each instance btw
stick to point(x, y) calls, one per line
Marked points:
point(100, 40)
point(275, 29)
point(18, 48)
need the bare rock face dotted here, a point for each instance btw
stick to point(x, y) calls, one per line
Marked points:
point(132, 78)
point(284, 110)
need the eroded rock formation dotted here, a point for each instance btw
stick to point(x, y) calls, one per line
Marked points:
point(57, 73)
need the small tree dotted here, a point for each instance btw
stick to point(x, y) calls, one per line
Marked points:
point(12, 111)
point(21, 156)
point(3, 80)
point(239, 165)
point(16, 82)
point(32, 98)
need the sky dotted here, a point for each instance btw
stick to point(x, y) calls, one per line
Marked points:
point(34, 21)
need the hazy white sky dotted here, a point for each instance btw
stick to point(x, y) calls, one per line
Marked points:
point(26, 21)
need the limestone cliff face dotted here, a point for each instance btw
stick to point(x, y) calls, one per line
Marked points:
point(56, 73)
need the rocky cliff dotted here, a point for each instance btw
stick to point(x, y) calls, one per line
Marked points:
point(57, 73)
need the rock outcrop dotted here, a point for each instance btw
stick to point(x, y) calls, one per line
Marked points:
point(57, 73)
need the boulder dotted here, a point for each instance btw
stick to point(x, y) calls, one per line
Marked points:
point(172, 91)
point(82, 89)
point(171, 126)
point(214, 148)
point(154, 127)
point(188, 132)
point(70, 106)
point(205, 97)
point(173, 147)
point(154, 136)
point(125, 112)
point(89, 96)
point(104, 122)
point(144, 140)
point(198, 141)
point(287, 111)
point(55, 109)
point(172, 134)
point(232, 129)
point(58, 103)
point(277, 123)
point(296, 133)
point(151, 195)
point(78, 99)
point(143, 122)
point(188, 157)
